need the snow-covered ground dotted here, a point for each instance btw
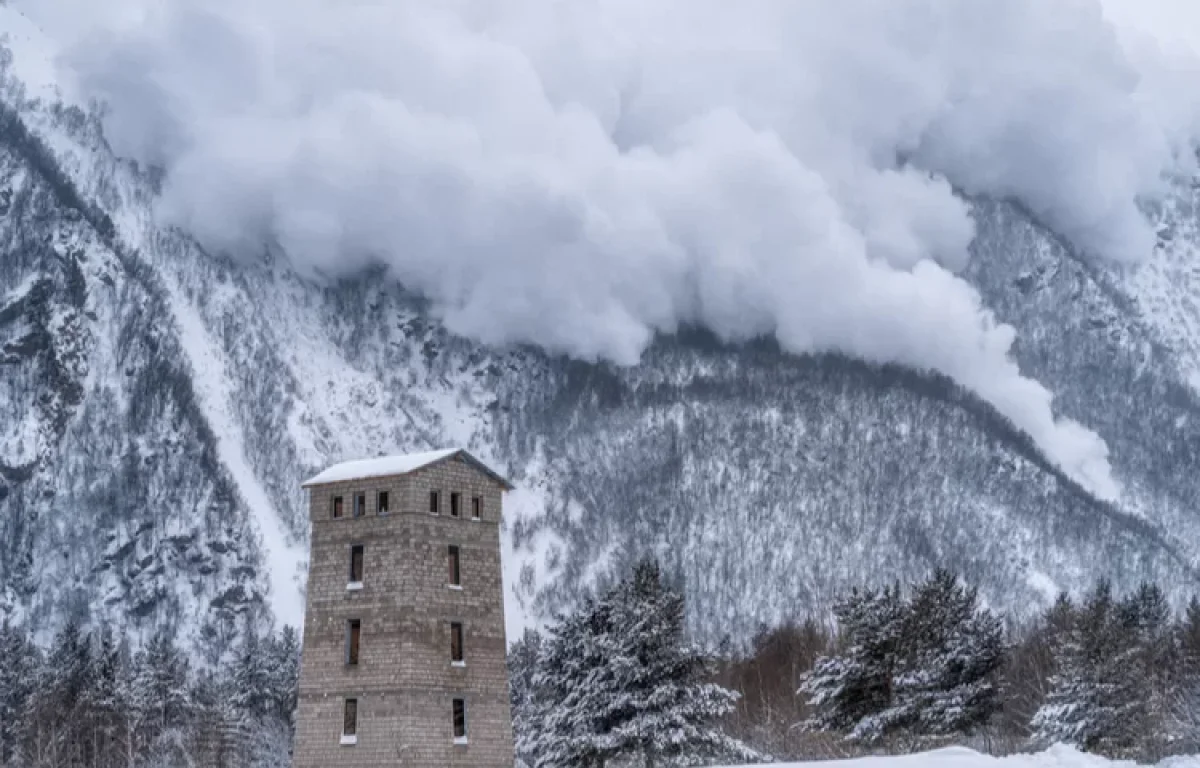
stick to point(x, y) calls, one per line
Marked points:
point(1059, 756)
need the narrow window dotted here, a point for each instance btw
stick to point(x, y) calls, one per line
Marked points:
point(455, 576)
point(455, 499)
point(381, 503)
point(476, 507)
point(356, 564)
point(337, 507)
point(350, 721)
point(460, 721)
point(456, 642)
point(433, 502)
point(360, 504)
point(353, 631)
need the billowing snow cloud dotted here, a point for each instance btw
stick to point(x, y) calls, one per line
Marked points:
point(582, 175)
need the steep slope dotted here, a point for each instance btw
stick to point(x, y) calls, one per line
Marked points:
point(115, 505)
point(166, 403)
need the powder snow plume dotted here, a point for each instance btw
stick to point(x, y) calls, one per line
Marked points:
point(583, 175)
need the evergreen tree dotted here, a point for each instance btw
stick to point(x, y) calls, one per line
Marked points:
point(570, 685)
point(524, 659)
point(953, 651)
point(252, 692)
point(160, 700)
point(922, 669)
point(1154, 671)
point(104, 705)
point(854, 686)
point(1094, 693)
point(19, 668)
point(1185, 698)
point(54, 734)
point(618, 681)
point(216, 733)
point(664, 711)
point(283, 671)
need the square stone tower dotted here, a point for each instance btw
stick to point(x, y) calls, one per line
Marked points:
point(404, 648)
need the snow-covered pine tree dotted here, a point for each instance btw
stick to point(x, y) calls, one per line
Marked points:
point(53, 734)
point(524, 659)
point(160, 700)
point(920, 669)
point(104, 706)
point(1154, 674)
point(19, 668)
point(283, 671)
point(666, 710)
point(953, 649)
point(251, 689)
point(570, 685)
point(215, 727)
point(853, 686)
point(1185, 701)
point(1093, 692)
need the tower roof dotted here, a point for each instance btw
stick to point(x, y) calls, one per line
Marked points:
point(385, 466)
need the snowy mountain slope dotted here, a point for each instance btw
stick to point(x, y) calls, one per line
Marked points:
point(167, 402)
point(115, 504)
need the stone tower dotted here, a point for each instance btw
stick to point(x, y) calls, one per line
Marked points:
point(404, 648)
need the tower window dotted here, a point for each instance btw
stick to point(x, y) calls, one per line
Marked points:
point(360, 504)
point(476, 507)
point(357, 553)
point(381, 503)
point(455, 504)
point(350, 721)
point(353, 632)
point(337, 507)
point(456, 643)
point(460, 721)
point(433, 503)
point(452, 560)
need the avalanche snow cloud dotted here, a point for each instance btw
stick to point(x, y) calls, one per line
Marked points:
point(582, 175)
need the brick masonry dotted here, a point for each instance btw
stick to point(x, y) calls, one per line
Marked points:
point(404, 681)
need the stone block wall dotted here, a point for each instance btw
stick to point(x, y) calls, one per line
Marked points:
point(405, 682)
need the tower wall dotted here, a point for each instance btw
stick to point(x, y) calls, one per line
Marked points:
point(404, 681)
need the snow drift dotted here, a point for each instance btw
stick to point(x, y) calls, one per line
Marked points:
point(583, 176)
point(1058, 756)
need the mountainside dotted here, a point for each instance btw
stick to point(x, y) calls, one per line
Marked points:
point(162, 405)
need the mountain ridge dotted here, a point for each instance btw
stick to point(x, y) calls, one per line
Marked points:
point(195, 391)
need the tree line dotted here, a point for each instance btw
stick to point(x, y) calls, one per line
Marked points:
point(617, 682)
point(901, 670)
point(89, 701)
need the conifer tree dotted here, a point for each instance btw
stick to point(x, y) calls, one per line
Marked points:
point(19, 667)
point(104, 703)
point(524, 660)
point(853, 687)
point(953, 651)
point(921, 669)
point(618, 681)
point(160, 701)
point(570, 684)
point(1093, 694)
point(665, 711)
point(283, 670)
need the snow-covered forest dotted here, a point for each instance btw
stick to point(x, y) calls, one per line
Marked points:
point(90, 701)
point(905, 669)
point(616, 682)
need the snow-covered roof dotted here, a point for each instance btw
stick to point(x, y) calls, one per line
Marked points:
point(385, 466)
